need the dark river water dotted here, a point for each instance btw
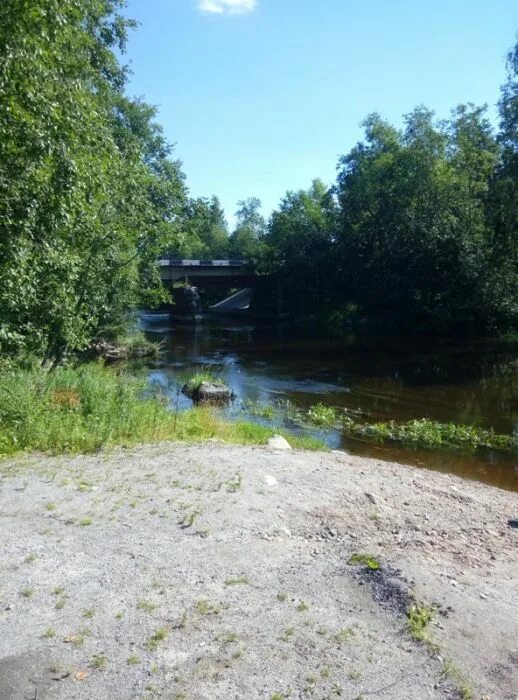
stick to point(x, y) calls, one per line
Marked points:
point(472, 382)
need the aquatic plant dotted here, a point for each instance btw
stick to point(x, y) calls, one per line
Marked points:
point(319, 414)
point(427, 433)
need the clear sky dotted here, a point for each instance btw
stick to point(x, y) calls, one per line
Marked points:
point(262, 96)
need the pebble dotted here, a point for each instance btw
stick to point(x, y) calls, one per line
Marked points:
point(269, 480)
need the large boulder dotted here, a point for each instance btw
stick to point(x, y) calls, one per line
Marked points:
point(209, 392)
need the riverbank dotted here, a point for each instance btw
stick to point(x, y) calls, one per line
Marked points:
point(213, 571)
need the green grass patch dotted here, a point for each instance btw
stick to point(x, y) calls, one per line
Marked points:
point(195, 381)
point(419, 617)
point(82, 409)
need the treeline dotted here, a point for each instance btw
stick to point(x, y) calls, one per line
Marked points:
point(420, 226)
point(420, 231)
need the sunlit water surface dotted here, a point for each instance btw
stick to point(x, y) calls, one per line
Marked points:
point(383, 378)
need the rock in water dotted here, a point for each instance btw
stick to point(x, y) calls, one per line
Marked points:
point(277, 442)
point(209, 392)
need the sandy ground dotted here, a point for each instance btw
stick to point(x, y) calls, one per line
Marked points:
point(207, 572)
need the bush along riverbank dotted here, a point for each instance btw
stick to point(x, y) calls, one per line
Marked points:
point(85, 408)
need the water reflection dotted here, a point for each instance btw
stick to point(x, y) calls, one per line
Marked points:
point(390, 378)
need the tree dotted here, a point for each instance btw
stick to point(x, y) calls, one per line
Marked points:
point(245, 241)
point(301, 240)
point(87, 190)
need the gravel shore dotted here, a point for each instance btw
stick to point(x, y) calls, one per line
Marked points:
point(211, 572)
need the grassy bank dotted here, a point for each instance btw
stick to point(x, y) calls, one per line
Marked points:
point(83, 409)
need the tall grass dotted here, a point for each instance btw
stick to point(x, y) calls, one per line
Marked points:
point(81, 409)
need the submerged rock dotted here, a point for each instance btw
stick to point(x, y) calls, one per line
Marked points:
point(277, 442)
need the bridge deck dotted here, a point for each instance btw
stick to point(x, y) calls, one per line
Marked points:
point(172, 269)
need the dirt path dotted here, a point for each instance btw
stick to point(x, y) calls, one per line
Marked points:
point(211, 572)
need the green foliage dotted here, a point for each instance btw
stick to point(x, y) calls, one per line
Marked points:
point(83, 409)
point(427, 433)
point(88, 194)
point(246, 240)
point(419, 617)
point(322, 415)
point(364, 560)
point(196, 380)
point(420, 231)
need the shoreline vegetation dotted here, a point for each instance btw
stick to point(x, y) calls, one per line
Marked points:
point(86, 408)
point(92, 406)
point(419, 432)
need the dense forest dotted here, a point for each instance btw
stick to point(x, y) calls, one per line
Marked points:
point(420, 227)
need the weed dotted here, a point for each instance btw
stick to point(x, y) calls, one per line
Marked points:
point(311, 684)
point(325, 671)
point(287, 634)
point(355, 675)
point(228, 638)
point(27, 592)
point(451, 671)
point(159, 636)
point(133, 660)
point(146, 606)
point(60, 603)
point(322, 415)
point(196, 380)
point(99, 661)
point(78, 639)
point(59, 590)
point(419, 617)
point(88, 613)
point(344, 634)
point(85, 522)
point(277, 696)
point(189, 519)
point(282, 597)
point(49, 633)
point(50, 506)
point(364, 560)
point(119, 615)
point(302, 606)
point(30, 558)
point(233, 485)
point(241, 580)
point(260, 410)
point(203, 607)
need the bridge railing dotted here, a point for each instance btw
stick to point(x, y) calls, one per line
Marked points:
point(174, 262)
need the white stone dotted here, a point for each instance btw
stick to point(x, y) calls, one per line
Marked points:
point(269, 480)
point(279, 443)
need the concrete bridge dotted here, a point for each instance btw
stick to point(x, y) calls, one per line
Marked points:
point(229, 272)
point(258, 293)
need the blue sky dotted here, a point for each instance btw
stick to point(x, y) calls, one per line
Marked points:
point(262, 96)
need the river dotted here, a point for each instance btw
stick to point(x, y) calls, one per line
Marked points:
point(473, 383)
